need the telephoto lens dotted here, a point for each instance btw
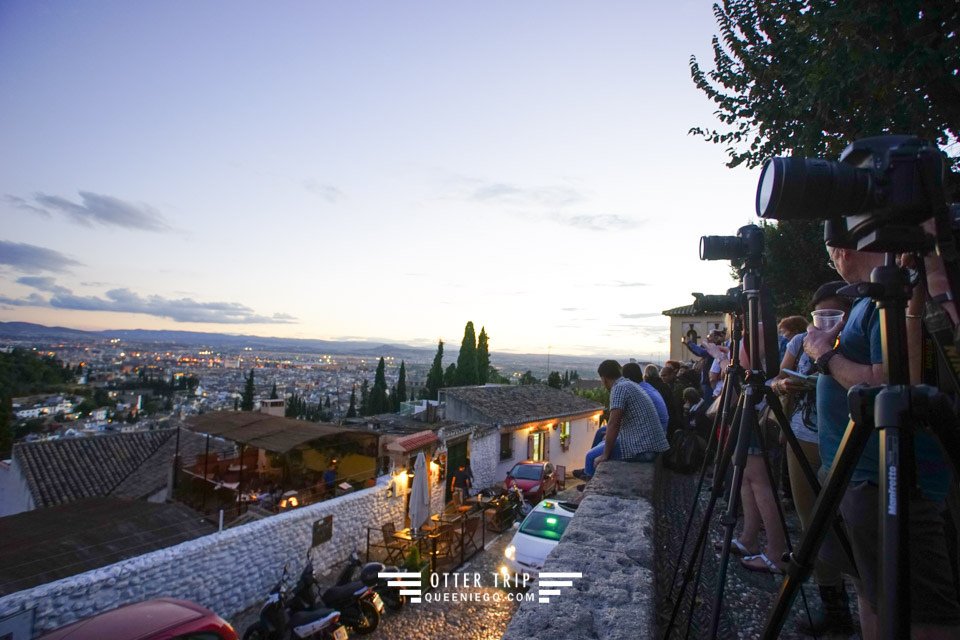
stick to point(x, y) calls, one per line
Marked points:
point(730, 248)
point(811, 189)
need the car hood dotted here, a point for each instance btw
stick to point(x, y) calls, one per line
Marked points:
point(525, 485)
point(532, 551)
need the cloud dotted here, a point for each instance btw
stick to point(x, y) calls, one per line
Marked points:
point(126, 301)
point(571, 309)
point(506, 193)
point(95, 208)
point(637, 316)
point(29, 258)
point(43, 283)
point(622, 284)
point(328, 192)
point(597, 222)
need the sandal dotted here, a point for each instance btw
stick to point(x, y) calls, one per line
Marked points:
point(737, 548)
point(768, 565)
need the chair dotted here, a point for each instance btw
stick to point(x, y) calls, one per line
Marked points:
point(561, 474)
point(469, 542)
point(395, 548)
point(445, 541)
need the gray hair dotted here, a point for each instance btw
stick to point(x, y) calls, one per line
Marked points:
point(651, 371)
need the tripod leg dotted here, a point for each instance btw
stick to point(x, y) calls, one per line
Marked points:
point(824, 512)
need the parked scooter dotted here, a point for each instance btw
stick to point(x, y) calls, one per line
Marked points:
point(391, 595)
point(359, 605)
point(520, 505)
point(277, 622)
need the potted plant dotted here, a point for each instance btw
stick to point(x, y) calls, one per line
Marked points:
point(413, 562)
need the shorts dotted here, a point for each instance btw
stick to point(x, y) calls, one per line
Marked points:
point(933, 599)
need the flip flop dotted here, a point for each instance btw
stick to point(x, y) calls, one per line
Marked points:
point(736, 549)
point(769, 566)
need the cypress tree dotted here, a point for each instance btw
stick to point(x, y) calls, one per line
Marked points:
point(365, 398)
point(450, 376)
point(483, 357)
point(378, 402)
point(326, 405)
point(435, 377)
point(273, 392)
point(352, 411)
point(6, 429)
point(467, 358)
point(246, 401)
point(401, 384)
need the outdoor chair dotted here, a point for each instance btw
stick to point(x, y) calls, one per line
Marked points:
point(445, 541)
point(469, 543)
point(394, 548)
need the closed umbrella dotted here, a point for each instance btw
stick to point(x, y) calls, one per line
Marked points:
point(420, 493)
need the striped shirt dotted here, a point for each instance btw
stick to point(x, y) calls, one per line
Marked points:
point(640, 430)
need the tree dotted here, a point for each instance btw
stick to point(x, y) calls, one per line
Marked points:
point(401, 393)
point(554, 380)
point(365, 398)
point(326, 404)
point(796, 265)
point(435, 376)
point(467, 358)
point(273, 392)
point(483, 357)
point(352, 410)
point(807, 78)
point(6, 426)
point(528, 378)
point(246, 400)
point(450, 375)
point(378, 401)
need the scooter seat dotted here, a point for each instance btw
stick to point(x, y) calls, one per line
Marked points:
point(301, 618)
point(335, 595)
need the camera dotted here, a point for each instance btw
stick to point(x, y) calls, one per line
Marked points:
point(744, 248)
point(873, 198)
point(729, 302)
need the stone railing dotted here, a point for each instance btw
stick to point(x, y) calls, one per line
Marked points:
point(226, 572)
point(610, 541)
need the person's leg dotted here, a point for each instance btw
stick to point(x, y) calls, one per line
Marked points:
point(593, 454)
point(599, 435)
point(766, 505)
point(749, 537)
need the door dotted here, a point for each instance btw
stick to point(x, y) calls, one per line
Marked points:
point(456, 455)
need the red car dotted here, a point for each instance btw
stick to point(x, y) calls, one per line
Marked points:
point(160, 619)
point(537, 480)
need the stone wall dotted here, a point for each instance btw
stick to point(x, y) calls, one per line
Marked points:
point(610, 541)
point(484, 456)
point(226, 572)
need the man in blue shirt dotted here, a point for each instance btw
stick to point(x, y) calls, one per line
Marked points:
point(858, 359)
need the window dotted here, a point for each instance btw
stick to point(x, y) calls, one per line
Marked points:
point(537, 445)
point(565, 435)
point(506, 446)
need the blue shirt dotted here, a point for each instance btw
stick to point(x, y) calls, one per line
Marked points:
point(860, 343)
point(658, 403)
point(640, 430)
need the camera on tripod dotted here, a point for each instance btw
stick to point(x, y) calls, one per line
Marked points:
point(745, 248)
point(729, 302)
point(873, 198)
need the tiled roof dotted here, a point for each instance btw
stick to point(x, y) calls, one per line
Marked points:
point(44, 545)
point(513, 404)
point(412, 442)
point(133, 464)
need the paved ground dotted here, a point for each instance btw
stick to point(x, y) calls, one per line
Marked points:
point(748, 596)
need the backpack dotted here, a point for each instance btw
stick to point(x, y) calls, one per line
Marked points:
point(686, 453)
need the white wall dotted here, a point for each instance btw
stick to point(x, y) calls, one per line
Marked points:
point(226, 572)
point(15, 496)
point(582, 431)
point(484, 451)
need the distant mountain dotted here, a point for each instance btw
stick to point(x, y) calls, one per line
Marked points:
point(27, 330)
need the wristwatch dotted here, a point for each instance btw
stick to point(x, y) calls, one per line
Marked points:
point(823, 362)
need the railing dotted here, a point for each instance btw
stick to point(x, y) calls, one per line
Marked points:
point(447, 542)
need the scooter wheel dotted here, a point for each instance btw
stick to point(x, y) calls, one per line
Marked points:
point(370, 616)
point(255, 631)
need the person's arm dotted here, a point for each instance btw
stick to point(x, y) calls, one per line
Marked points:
point(844, 371)
point(613, 430)
point(696, 349)
point(783, 383)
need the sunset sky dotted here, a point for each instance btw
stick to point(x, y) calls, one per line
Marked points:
point(381, 170)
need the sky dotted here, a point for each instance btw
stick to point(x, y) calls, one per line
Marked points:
point(362, 170)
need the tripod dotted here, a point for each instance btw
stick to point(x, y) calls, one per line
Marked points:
point(743, 425)
point(894, 410)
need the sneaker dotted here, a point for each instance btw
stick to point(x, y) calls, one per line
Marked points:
point(580, 474)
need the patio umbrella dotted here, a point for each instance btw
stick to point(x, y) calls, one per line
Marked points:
point(420, 493)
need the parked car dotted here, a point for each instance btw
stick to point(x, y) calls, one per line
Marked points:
point(537, 480)
point(539, 533)
point(160, 619)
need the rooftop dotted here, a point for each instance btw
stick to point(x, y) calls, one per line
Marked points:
point(509, 405)
point(264, 431)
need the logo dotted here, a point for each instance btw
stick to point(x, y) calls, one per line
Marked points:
point(548, 582)
point(407, 581)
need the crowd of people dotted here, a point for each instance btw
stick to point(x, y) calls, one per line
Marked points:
point(652, 408)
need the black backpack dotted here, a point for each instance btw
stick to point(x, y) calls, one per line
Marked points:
point(686, 453)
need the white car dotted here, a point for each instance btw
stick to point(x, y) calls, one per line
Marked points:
point(539, 533)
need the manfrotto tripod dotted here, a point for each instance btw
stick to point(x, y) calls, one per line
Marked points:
point(895, 410)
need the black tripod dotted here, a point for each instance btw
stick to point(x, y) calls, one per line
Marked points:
point(895, 410)
point(743, 425)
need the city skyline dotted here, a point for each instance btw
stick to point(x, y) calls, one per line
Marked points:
point(369, 172)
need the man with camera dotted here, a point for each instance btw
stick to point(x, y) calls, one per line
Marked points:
point(857, 358)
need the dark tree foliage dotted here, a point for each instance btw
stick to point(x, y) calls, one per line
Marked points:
point(796, 264)
point(298, 407)
point(273, 392)
point(529, 378)
point(450, 376)
point(352, 410)
point(326, 403)
point(555, 380)
point(23, 372)
point(435, 376)
point(495, 377)
point(6, 426)
point(807, 77)
point(483, 357)
point(378, 401)
point(467, 373)
point(400, 394)
point(365, 398)
point(246, 400)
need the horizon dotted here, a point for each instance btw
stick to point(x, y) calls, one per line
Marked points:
point(527, 167)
